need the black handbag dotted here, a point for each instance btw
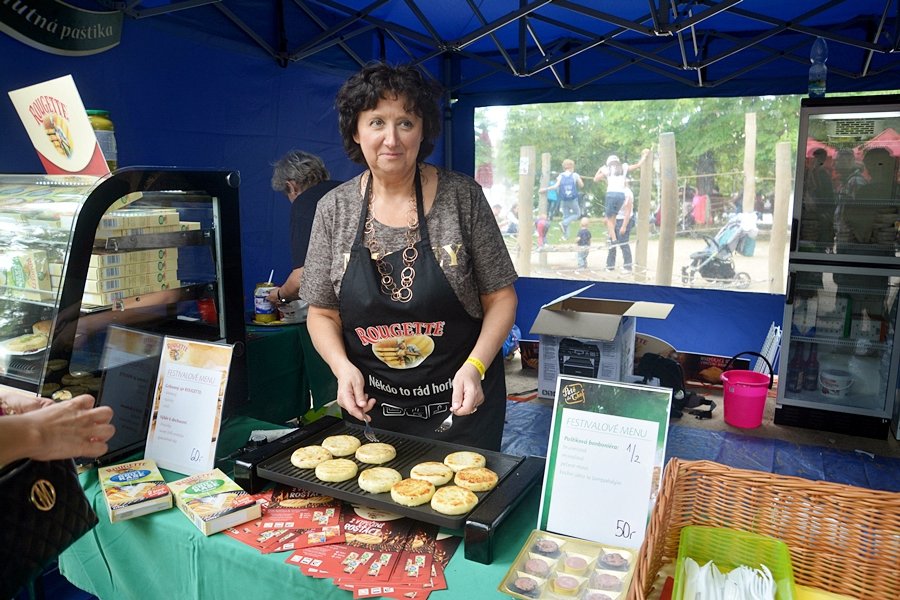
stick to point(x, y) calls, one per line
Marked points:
point(43, 510)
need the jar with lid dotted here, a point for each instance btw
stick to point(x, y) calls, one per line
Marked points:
point(106, 136)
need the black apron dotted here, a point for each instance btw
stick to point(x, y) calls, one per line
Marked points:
point(409, 352)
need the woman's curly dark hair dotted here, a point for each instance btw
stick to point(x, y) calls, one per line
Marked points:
point(380, 80)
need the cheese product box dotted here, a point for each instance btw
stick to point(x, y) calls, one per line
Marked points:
point(114, 272)
point(112, 259)
point(26, 273)
point(127, 282)
point(103, 233)
point(213, 502)
point(102, 299)
point(588, 337)
point(117, 219)
point(133, 489)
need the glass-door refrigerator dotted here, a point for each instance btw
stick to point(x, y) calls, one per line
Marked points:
point(839, 359)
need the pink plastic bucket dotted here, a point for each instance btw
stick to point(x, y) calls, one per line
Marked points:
point(744, 394)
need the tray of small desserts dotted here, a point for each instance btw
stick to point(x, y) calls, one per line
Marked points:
point(427, 480)
point(552, 566)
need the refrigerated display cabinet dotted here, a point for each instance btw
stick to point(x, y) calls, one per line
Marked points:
point(148, 249)
point(838, 365)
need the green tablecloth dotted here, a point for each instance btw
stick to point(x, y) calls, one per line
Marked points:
point(286, 376)
point(163, 555)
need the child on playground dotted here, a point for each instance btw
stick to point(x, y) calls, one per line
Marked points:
point(584, 243)
point(541, 226)
point(567, 185)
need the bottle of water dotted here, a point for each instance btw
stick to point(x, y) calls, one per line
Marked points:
point(818, 72)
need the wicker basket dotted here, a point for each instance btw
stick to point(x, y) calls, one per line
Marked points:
point(843, 539)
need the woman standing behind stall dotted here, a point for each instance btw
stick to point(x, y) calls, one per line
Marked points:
point(408, 278)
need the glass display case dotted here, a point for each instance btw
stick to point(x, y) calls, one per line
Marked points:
point(839, 359)
point(146, 249)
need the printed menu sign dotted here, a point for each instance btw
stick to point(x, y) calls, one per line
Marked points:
point(59, 128)
point(187, 405)
point(607, 445)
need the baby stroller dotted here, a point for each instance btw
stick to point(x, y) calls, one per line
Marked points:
point(715, 263)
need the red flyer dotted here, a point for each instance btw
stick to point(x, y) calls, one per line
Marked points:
point(311, 560)
point(295, 539)
point(295, 508)
point(252, 532)
point(417, 556)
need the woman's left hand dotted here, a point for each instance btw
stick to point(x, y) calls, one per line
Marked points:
point(467, 392)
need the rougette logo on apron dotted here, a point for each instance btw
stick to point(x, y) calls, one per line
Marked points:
point(401, 345)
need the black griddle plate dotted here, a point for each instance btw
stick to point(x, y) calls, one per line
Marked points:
point(410, 452)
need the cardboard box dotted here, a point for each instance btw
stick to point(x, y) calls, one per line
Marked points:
point(588, 337)
point(707, 369)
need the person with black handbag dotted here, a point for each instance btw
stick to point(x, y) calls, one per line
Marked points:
point(45, 509)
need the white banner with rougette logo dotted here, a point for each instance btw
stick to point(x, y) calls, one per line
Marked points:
point(59, 128)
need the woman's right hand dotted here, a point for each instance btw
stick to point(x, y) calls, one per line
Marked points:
point(351, 394)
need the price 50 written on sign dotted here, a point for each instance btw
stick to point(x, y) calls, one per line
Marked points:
point(607, 442)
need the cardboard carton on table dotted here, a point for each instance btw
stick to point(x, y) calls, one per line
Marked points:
point(588, 337)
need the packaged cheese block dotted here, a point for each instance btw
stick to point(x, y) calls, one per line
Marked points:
point(99, 259)
point(118, 219)
point(25, 273)
point(213, 502)
point(133, 489)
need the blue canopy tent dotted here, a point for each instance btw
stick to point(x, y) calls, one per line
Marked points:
point(235, 84)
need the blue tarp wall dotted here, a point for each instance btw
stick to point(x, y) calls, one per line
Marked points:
point(201, 101)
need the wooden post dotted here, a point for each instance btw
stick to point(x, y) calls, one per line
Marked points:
point(778, 239)
point(526, 223)
point(545, 181)
point(669, 203)
point(749, 202)
point(643, 220)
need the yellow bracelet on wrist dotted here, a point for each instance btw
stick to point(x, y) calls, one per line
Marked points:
point(478, 365)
